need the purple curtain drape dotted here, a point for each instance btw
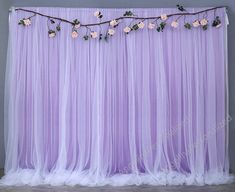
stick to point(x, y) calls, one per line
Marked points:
point(142, 108)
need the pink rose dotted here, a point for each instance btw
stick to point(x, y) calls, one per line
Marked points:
point(74, 34)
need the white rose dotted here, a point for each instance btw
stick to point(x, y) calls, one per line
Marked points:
point(77, 25)
point(141, 25)
point(51, 35)
point(127, 29)
point(174, 24)
point(27, 22)
point(164, 17)
point(113, 23)
point(151, 25)
point(111, 31)
point(203, 22)
point(196, 23)
point(94, 34)
point(74, 34)
point(97, 13)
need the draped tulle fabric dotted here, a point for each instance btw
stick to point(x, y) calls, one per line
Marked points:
point(143, 108)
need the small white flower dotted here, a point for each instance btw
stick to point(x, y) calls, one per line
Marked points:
point(51, 35)
point(164, 17)
point(94, 34)
point(96, 13)
point(113, 23)
point(127, 29)
point(204, 22)
point(74, 34)
point(111, 31)
point(151, 25)
point(77, 25)
point(174, 24)
point(196, 23)
point(141, 25)
point(27, 22)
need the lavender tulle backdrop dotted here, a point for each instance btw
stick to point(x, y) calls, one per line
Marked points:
point(143, 108)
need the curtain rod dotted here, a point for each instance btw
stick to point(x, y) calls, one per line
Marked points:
point(11, 9)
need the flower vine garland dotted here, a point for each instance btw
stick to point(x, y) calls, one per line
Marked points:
point(157, 22)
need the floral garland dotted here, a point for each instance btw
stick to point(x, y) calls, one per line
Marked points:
point(158, 22)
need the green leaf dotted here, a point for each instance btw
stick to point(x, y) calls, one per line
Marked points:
point(205, 27)
point(128, 13)
point(76, 21)
point(52, 21)
point(216, 21)
point(187, 26)
point(100, 37)
point(58, 28)
point(51, 31)
point(135, 27)
point(161, 26)
point(106, 37)
point(180, 7)
point(85, 37)
point(21, 22)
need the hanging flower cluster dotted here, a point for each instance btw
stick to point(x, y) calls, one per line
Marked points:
point(25, 22)
point(137, 23)
point(76, 25)
point(53, 31)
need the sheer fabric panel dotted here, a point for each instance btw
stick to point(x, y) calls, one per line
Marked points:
point(142, 108)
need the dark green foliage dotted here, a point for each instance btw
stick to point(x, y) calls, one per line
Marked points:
point(135, 27)
point(216, 22)
point(161, 27)
point(128, 13)
point(187, 26)
point(205, 27)
point(180, 7)
point(85, 37)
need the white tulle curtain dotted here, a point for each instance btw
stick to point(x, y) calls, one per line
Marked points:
point(143, 108)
